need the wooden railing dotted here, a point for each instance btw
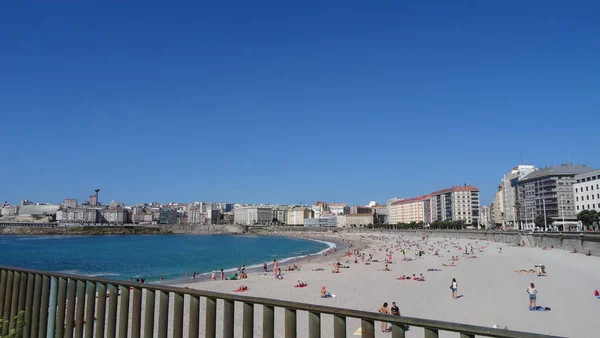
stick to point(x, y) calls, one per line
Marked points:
point(61, 305)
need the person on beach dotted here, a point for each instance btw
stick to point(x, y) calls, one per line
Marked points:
point(384, 310)
point(395, 309)
point(454, 287)
point(265, 267)
point(222, 274)
point(212, 276)
point(324, 293)
point(532, 291)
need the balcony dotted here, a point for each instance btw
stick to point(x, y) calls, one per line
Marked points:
point(60, 305)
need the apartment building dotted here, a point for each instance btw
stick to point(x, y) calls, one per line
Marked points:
point(297, 215)
point(459, 203)
point(550, 191)
point(251, 215)
point(407, 210)
point(339, 209)
point(587, 191)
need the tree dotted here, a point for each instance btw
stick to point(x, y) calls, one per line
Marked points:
point(588, 217)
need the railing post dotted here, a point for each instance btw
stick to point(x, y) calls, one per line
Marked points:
point(113, 299)
point(80, 310)
point(268, 321)
point(7, 299)
point(339, 326)
point(3, 275)
point(211, 317)
point(290, 323)
point(14, 299)
point(35, 310)
point(101, 310)
point(124, 312)
point(178, 316)
point(71, 299)
point(61, 306)
point(248, 320)
point(22, 291)
point(398, 331)
point(228, 318)
point(314, 324)
point(368, 328)
point(194, 320)
point(431, 333)
point(149, 314)
point(52, 304)
point(136, 315)
point(163, 314)
point(90, 309)
point(43, 326)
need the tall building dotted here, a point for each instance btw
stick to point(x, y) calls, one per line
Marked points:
point(587, 191)
point(510, 191)
point(550, 191)
point(168, 216)
point(459, 203)
point(407, 210)
point(497, 212)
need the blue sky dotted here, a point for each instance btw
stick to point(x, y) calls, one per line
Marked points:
point(286, 102)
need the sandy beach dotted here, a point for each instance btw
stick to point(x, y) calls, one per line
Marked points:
point(490, 291)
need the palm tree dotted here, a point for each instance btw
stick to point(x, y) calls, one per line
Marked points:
point(518, 207)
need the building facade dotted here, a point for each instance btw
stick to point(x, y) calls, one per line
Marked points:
point(339, 209)
point(510, 191)
point(167, 216)
point(407, 210)
point(327, 221)
point(587, 191)
point(297, 215)
point(355, 220)
point(498, 207)
point(252, 215)
point(550, 192)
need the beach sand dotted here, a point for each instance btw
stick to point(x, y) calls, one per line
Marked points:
point(492, 293)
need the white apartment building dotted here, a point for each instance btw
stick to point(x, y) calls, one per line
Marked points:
point(320, 208)
point(510, 183)
point(297, 215)
point(252, 216)
point(497, 212)
point(587, 191)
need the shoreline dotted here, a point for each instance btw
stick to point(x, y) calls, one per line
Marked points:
point(332, 244)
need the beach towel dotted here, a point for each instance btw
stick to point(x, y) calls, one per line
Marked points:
point(540, 308)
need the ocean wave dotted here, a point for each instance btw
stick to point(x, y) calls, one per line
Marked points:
point(89, 274)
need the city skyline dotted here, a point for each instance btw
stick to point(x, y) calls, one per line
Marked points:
point(287, 103)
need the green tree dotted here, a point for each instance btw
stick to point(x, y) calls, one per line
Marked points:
point(588, 217)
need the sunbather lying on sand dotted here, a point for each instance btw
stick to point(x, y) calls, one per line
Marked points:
point(242, 288)
point(319, 269)
point(300, 284)
point(450, 265)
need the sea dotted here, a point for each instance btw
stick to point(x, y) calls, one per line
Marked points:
point(150, 256)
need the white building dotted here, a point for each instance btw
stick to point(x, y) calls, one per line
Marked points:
point(587, 191)
point(510, 182)
point(252, 215)
point(328, 221)
point(339, 209)
point(69, 203)
point(407, 210)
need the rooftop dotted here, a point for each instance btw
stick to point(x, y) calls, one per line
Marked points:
point(563, 169)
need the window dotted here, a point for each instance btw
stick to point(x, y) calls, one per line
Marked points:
point(577, 207)
point(588, 197)
point(586, 188)
point(575, 189)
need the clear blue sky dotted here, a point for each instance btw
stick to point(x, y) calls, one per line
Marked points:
point(286, 102)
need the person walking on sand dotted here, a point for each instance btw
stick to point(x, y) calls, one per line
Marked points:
point(532, 291)
point(384, 310)
point(454, 287)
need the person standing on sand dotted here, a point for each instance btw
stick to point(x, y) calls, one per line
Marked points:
point(222, 275)
point(532, 291)
point(384, 310)
point(265, 267)
point(213, 275)
point(395, 309)
point(454, 287)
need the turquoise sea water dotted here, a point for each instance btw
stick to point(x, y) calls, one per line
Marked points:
point(152, 256)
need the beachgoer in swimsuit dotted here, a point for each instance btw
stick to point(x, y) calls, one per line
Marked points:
point(384, 310)
point(532, 291)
